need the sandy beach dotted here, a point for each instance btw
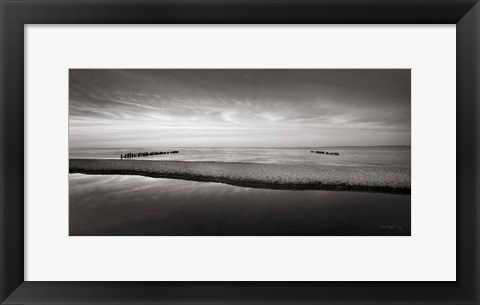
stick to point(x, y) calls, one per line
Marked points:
point(256, 175)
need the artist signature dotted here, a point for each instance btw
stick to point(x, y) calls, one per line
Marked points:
point(391, 227)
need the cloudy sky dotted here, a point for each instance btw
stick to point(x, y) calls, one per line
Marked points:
point(238, 108)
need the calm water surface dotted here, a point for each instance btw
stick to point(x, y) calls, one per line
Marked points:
point(135, 205)
point(390, 156)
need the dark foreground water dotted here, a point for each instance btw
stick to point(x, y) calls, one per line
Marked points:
point(135, 205)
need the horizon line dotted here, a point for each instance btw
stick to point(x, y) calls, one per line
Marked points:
point(167, 146)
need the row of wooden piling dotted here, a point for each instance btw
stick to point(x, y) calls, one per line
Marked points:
point(146, 154)
point(325, 152)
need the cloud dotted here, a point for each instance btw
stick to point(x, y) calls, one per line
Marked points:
point(124, 108)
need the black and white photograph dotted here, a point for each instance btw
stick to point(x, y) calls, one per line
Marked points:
point(239, 152)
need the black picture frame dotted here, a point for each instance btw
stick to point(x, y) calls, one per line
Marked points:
point(17, 13)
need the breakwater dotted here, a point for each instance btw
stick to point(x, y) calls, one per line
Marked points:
point(325, 152)
point(146, 154)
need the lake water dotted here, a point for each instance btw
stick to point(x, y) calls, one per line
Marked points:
point(381, 156)
point(135, 205)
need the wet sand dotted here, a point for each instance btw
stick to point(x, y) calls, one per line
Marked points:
point(111, 205)
point(257, 175)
